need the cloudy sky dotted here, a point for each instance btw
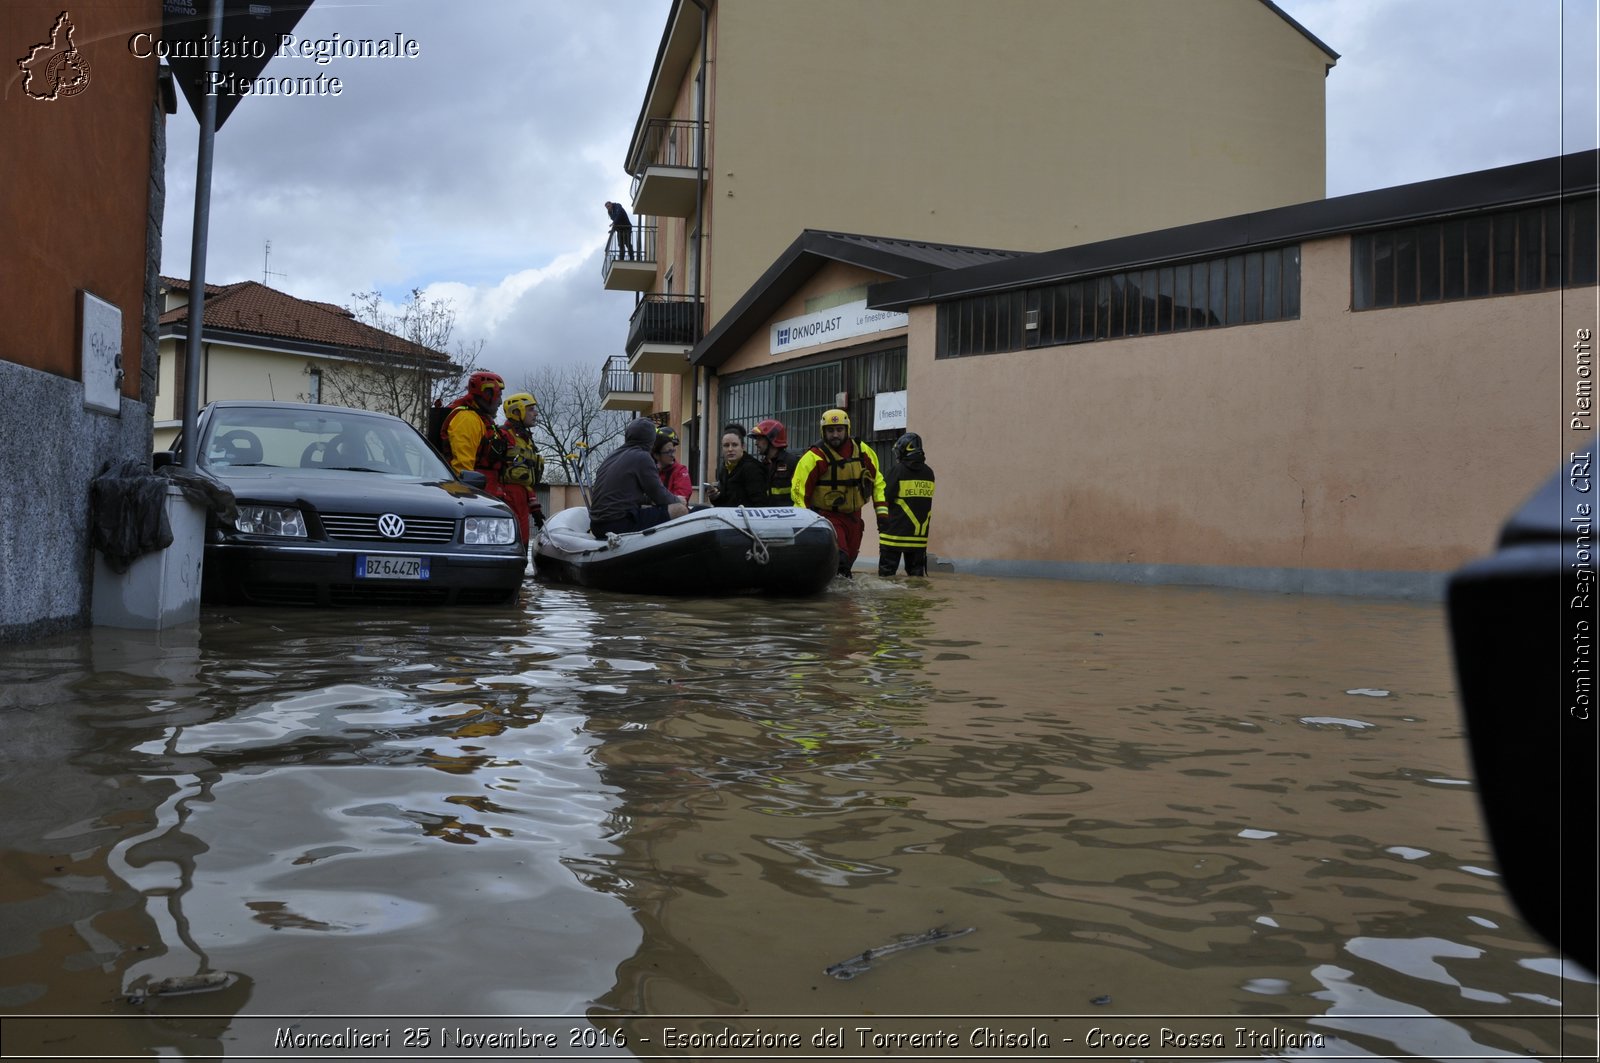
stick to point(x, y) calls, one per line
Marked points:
point(477, 170)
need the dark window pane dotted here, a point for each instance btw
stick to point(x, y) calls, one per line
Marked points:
point(1102, 308)
point(1455, 259)
point(1383, 269)
point(1552, 246)
point(1428, 264)
point(1235, 312)
point(1291, 282)
point(1478, 257)
point(1505, 254)
point(1180, 298)
point(1405, 267)
point(1148, 295)
point(1119, 305)
point(1252, 286)
point(1530, 250)
point(1164, 300)
point(1272, 285)
point(1582, 264)
point(1361, 271)
point(1217, 279)
point(1075, 301)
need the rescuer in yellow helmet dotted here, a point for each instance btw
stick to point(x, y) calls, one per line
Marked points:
point(838, 477)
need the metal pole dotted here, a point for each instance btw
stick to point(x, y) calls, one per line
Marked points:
point(197, 248)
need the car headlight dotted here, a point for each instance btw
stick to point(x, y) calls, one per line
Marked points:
point(271, 520)
point(490, 531)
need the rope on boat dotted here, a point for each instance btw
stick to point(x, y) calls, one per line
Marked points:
point(758, 547)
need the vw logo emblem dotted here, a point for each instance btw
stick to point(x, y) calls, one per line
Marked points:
point(391, 526)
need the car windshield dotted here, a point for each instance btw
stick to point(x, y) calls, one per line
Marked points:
point(329, 438)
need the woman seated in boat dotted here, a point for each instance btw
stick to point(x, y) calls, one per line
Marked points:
point(628, 494)
point(674, 477)
point(741, 479)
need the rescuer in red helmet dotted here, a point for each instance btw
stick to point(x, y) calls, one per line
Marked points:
point(772, 447)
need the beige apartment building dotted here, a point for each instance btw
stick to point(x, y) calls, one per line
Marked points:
point(1348, 395)
point(1022, 124)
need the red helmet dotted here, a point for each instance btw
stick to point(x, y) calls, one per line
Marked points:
point(774, 432)
point(481, 384)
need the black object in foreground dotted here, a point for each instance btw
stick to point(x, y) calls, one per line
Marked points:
point(1523, 622)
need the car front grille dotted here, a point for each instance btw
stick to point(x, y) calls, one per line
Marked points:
point(363, 527)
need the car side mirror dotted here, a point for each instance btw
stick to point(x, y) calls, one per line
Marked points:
point(163, 458)
point(474, 478)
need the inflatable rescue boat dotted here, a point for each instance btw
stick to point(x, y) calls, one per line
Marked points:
point(778, 550)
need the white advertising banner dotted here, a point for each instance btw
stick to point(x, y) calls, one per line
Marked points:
point(888, 411)
point(836, 323)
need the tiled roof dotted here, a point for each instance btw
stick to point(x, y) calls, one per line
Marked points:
point(254, 309)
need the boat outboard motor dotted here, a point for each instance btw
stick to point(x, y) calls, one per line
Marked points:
point(1524, 626)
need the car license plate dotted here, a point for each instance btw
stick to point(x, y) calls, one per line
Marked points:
point(390, 566)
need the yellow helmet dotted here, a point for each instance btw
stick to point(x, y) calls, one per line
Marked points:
point(517, 406)
point(834, 417)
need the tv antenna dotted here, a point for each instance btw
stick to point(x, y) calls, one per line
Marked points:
point(268, 274)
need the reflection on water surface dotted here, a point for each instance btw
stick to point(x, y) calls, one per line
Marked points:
point(1146, 802)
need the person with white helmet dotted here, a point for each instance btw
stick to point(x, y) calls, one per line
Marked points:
point(839, 477)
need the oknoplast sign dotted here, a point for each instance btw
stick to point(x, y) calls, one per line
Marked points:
point(836, 323)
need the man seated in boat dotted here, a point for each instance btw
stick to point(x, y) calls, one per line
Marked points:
point(628, 494)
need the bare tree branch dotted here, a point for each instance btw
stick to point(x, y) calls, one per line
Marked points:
point(409, 367)
point(572, 431)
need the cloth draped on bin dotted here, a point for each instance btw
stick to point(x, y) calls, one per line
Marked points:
point(128, 507)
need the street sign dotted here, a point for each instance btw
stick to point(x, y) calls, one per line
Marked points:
point(250, 37)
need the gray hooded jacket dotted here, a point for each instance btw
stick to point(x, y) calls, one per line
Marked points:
point(628, 479)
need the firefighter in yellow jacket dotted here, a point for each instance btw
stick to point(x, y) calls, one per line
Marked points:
point(838, 478)
point(908, 494)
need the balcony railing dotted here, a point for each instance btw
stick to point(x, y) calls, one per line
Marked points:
point(668, 142)
point(617, 377)
point(642, 248)
point(666, 170)
point(670, 320)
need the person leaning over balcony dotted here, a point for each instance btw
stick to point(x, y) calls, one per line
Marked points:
point(741, 481)
point(627, 494)
point(839, 477)
point(908, 496)
point(674, 476)
point(622, 225)
point(772, 447)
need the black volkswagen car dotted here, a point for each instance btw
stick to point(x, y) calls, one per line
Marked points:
point(339, 506)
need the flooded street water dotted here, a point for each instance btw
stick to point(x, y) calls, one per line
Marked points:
point(1157, 809)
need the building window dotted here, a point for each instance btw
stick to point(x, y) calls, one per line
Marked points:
point(1530, 249)
point(313, 384)
point(1178, 297)
point(798, 397)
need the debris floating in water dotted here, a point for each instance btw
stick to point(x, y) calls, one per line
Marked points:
point(845, 970)
point(1335, 721)
point(1370, 692)
point(181, 984)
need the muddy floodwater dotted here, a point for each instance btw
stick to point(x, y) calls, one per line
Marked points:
point(1175, 822)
